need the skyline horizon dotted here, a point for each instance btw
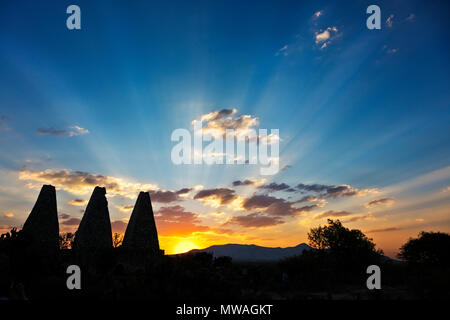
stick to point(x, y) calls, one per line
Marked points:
point(186, 246)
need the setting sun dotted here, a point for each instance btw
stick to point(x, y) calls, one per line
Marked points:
point(185, 246)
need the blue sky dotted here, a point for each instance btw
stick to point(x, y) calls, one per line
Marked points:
point(356, 107)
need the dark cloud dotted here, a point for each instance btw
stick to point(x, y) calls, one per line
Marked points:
point(168, 195)
point(307, 199)
point(255, 220)
point(274, 186)
point(259, 201)
point(312, 187)
point(174, 220)
point(280, 208)
point(384, 230)
point(325, 191)
point(70, 132)
point(79, 200)
point(286, 208)
point(52, 132)
point(71, 222)
point(68, 220)
point(64, 216)
point(340, 191)
point(309, 208)
point(275, 206)
point(328, 191)
point(357, 218)
point(245, 182)
point(176, 213)
point(163, 196)
point(222, 195)
point(384, 201)
point(223, 119)
point(220, 114)
point(184, 191)
point(331, 213)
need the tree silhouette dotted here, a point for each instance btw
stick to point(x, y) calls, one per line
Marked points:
point(11, 235)
point(337, 238)
point(12, 241)
point(430, 248)
point(66, 240)
point(117, 239)
point(346, 252)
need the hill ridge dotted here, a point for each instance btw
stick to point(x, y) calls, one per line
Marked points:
point(253, 252)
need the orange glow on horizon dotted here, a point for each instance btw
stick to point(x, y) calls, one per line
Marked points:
point(184, 246)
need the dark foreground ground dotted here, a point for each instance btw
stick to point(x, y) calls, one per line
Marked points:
point(124, 275)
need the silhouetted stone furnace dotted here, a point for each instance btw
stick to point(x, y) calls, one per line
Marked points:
point(41, 227)
point(141, 231)
point(94, 231)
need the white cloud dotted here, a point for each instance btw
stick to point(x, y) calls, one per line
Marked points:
point(217, 123)
point(77, 131)
point(282, 51)
point(325, 37)
point(77, 182)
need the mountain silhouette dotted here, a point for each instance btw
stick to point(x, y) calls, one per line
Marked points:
point(245, 252)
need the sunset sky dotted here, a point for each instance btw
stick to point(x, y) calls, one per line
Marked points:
point(363, 115)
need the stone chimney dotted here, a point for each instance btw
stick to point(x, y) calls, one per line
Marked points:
point(41, 227)
point(141, 230)
point(94, 231)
